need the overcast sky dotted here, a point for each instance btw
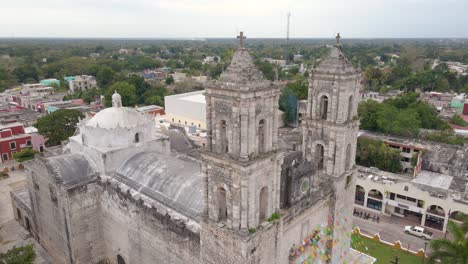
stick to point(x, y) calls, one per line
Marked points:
point(223, 18)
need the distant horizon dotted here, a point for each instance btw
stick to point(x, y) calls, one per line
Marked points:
point(187, 19)
point(227, 38)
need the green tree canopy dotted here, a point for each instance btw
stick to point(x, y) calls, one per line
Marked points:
point(127, 92)
point(58, 126)
point(19, 255)
point(374, 153)
point(454, 250)
point(105, 76)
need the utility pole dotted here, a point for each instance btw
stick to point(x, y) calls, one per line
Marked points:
point(288, 16)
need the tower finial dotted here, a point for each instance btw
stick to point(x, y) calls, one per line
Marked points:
point(116, 100)
point(338, 37)
point(241, 38)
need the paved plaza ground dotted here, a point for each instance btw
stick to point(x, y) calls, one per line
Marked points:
point(391, 229)
point(11, 231)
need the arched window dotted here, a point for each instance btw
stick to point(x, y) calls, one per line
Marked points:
point(348, 162)
point(263, 204)
point(350, 108)
point(223, 137)
point(222, 204)
point(320, 153)
point(436, 210)
point(261, 136)
point(359, 195)
point(120, 260)
point(137, 138)
point(323, 107)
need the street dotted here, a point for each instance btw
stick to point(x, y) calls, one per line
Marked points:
point(391, 229)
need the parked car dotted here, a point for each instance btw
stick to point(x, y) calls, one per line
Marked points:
point(419, 232)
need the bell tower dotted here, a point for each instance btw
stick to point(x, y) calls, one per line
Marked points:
point(240, 159)
point(330, 137)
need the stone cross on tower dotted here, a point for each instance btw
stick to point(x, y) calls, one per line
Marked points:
point(241, 38)
point(338, 37)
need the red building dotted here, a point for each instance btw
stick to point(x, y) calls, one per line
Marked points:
point(13, 139)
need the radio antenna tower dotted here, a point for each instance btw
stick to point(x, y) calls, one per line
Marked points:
point(287, 37)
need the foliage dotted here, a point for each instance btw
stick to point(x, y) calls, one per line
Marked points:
point(58, 126)
point(401, 116)
point(252, 230)
point(288, 104)
point(19, 255)
point(382, 252)
point(267, 69)
point(457, 120)
point(274, 216)
point(299, 88)
point(26, 73)
point(374, 153)
point(169, 80)
point(25, 154)
point(445, 136)
point(127, 92)
point(454, 250)
point(105, 76)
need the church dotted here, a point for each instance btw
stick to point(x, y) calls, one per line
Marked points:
point(119, 193)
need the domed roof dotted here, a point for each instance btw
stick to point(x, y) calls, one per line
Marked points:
point(114, 117)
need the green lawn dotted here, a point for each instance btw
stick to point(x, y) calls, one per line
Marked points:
point(383, 253)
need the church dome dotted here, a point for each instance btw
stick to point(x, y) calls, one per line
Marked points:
point(115, 117)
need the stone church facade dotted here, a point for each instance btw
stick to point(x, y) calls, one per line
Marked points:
point(119, 194)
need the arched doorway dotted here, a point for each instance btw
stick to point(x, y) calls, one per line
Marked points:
point(263, 204)
point(120, 260)
point(222, 204)
point(374, 200)
point(359, 195)
point(435, 217)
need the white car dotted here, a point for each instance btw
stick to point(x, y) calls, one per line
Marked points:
point(419, 232)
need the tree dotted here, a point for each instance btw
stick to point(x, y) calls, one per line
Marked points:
point(58, 126)
point(374, 153)
point(19, 255)
point(105, 76)
point(25, 154)
point(169, 80)
point(126, 90)
point(453, 251)
point(26, 73)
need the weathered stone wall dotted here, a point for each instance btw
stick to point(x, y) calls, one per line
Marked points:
point(296, 229)
point(49, 212)
point(84, 223)
point(224, 246)
point(140, 234)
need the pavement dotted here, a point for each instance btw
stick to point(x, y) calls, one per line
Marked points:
point(391, 229)
point(10, 229)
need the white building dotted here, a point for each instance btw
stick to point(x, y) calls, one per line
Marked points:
point(186, 109)
point(211, 59)
point(82, 83)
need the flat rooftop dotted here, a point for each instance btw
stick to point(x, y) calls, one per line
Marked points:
point(196, 98)
point(434, 179)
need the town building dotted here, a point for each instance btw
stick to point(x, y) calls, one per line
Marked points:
point(187, 109)
point(49, 82)
point(428, 192)
point(13, 114)
point(179, 77)
point(13, 139)
point(82, 83)
point(121, 193)
point(211, 59)
point(298, 58)
point(152, 110)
